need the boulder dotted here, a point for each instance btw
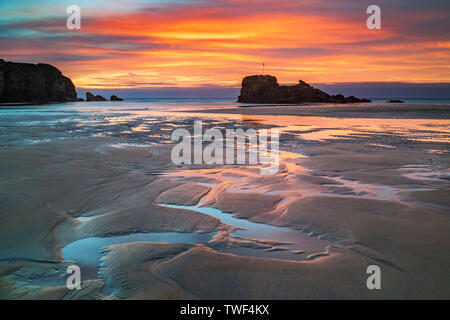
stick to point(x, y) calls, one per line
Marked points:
point(115, 98)
point(353, 99)
point(34, 83)
point(91, 97)
point(396, 101)
point(265, 89)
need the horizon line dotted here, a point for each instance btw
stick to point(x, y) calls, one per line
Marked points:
point(284, 83)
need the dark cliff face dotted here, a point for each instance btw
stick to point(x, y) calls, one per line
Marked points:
point(265, 89)
point(34, 83)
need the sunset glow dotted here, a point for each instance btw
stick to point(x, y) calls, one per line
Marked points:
point(133, 44)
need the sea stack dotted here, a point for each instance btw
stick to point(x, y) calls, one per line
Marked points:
point(91, 97)
point(34, 83)
point(115, 98)
point(265, 89)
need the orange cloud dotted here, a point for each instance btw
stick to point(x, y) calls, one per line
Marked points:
point(189, 45)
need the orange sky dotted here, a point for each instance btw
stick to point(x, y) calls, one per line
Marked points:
point(195, 43)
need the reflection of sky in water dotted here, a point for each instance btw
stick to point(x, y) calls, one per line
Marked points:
point(240, 179)
point(423, 172)
point(143, 124)
point(87, 252)
point(154, 120)
point(320, 128)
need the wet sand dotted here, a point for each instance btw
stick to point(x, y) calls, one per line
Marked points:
point(360, 110)
point(364, 193)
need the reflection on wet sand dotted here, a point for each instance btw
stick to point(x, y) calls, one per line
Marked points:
point(98, 186)
point(320, 128)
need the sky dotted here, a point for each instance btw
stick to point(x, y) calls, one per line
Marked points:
point(212, 44)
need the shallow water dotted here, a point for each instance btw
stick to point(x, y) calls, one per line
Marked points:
point(299, 240)
point(152, 121)
point(87, 252)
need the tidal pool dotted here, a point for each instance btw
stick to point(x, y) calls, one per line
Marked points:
point(293, 244)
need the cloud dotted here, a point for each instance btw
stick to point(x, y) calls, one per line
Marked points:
point(204, 42)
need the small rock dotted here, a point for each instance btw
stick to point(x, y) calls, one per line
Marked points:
point(91, 97)
point(115, 98)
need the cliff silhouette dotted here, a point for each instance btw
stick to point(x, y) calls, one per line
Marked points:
point(265, 89)
point(34, 83)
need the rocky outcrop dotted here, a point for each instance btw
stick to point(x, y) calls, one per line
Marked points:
point(396, 101)
point(115, 98)
point(265, 89)
point(2, 80)
point(34, 83)
point(91, 97)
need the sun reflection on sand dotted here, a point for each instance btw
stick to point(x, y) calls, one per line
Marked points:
point(320, 128)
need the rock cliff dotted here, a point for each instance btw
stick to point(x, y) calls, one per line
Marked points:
point(265, 89)
point(34, 83)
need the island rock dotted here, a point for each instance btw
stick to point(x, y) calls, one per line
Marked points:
point(265, 89)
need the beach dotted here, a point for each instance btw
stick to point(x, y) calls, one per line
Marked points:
point(94, 184)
